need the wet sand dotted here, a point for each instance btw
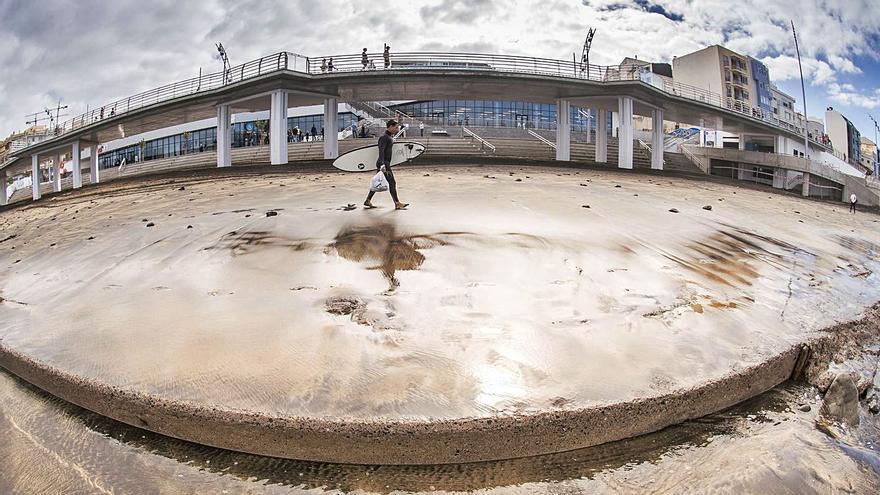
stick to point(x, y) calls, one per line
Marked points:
point(498, 295)
point(763, 446)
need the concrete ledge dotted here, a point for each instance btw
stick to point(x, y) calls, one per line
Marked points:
point(396, 442)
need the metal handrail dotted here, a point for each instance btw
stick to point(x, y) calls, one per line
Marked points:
point(694, 158)
point(482, 141)
point(421, 61)
point(543, 139)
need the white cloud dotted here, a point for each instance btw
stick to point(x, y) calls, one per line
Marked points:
point(847, 94)
point(90, 52)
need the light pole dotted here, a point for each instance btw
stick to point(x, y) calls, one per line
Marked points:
point(225, 59)
point(803, 91)
point(876, 156)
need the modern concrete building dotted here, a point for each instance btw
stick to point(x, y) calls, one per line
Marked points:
point(845, 138)
point(742, 82)
point(816, 128)
point(782, 105)
point(869, 156)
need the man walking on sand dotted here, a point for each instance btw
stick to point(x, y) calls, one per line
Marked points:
point(852, 202)
point(383, 164)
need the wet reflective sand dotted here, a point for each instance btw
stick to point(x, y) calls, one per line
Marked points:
point(764, 446)
point(490, 296)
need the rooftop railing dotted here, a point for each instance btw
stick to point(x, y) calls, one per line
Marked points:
point(422, 61)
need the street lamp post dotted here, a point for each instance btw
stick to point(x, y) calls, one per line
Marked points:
point(803, 91)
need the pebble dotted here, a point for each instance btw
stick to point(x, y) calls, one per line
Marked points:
point(805, 408)
point(151, 224)
point(673, 210)
point(708, 207)
point(271, 213)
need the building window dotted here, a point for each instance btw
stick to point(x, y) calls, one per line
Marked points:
point(726, 60)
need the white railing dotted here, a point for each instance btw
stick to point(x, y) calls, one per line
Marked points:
point(541, 138)
point(483, 143)
point(696, 160)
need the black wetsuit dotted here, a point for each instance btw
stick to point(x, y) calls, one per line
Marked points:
point(386, 143)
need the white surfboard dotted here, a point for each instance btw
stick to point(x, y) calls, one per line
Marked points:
point(364, 159)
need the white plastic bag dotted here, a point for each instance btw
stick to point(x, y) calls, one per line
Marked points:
point(379, 183)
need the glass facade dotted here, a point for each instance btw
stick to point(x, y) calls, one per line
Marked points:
point(251, 133)
point(481, 113)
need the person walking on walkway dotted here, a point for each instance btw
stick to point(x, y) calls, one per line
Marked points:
point(387, 56)
point(852, 202)
point(364, 60)
point(383, 164)
point(324, 65)
point(422, 129)
point(330, 65)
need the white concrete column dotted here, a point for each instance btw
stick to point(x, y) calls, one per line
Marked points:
point(657, 141)
point(780, 146)
point(602, 136)
point(563, 130)
point(331, 134)
point(224, 136)
point(806, 188)
point(35, 176)
point(278, 128)
point(779, 176)
point(615, 123)
point(77, 166)
point(625, 133)
point(56, 173)
point(4, 199)
point(94, 167)
point(590, 121)
point(742, 142)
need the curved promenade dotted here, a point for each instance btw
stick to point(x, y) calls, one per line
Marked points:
point(512, 311)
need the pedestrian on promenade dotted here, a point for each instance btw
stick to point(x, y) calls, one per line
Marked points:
point(323, 65)
point(852, 202)
point(330, 65)
point(383, 164)
point(314, 133)
point(364, 60)
point(102, 113)
point(386, 54)
point(422, 129)
point(322, 134)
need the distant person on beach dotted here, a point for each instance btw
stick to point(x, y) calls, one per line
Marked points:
point(853, 199)
point(383, 164)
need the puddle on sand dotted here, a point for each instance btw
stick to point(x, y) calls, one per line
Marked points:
point(763, 446)
point(383, 248)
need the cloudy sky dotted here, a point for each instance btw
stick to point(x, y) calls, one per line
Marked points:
point(88, 52)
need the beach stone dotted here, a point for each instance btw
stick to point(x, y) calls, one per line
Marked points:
point(673, 210)
point(841, 402)
point(805, 408)
point(271, 213)
point(708, 207)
